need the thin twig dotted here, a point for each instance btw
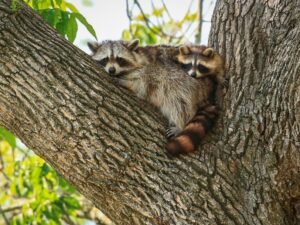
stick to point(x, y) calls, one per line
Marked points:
point(129, 16)
point(167, 11)
point(189, 8)
point(26, 153)
point(157, 18)
point(127, 10)
point(199, 33)
point(4, 216)
point(68, 220)
point(183, 33)
point(11, 209)
point(148, 22)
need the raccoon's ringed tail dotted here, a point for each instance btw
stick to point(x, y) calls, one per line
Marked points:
point(190, 138)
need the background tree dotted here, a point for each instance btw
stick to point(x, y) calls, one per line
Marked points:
point(109, 145)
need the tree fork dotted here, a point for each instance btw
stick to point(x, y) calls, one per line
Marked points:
point(110, 145)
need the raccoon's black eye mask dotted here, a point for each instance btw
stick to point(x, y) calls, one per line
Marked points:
point(187, 66)
point(122, 62)
point(202, 69)
point(103, 61)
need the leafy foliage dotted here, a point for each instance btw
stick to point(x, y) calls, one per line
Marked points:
point(61, 15)
point(158, 26)
point(31, 192)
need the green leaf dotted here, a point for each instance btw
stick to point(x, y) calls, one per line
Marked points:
point(61, 26)
point(141, 17)
point(87, 2)
point(35, 4)
point(71, 202)
point(3, 198)
point(190, 17)
point(50, 16)
point(8, 136)
point(126, 35)
point(64, 185)
point(88, 26)
point(45, 4)
point(72, 28)
point(71, 7)
point(58, 2)
point(158, 12)
point(45, 169)
point(57, 210)
point(16, 221)
point(14, 5)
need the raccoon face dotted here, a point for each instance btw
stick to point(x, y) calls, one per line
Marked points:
point(116, 57)
point(199, 61)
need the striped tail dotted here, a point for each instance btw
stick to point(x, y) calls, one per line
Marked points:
point(190, 138)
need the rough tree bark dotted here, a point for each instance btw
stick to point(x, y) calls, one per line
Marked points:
point(110, 145)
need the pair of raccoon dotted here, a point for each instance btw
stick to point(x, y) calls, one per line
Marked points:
point(165, 76)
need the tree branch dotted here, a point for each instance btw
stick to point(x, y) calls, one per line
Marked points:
point(4, 216)
point(200, 21)
point(11, 209)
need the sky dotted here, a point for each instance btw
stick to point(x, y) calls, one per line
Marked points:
point(109, 19)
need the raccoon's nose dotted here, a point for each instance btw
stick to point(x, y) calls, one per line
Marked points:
point(112, 70)
point(193, 74)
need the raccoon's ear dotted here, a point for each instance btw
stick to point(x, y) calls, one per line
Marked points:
point(184, 50)
point(93, 46)
point(209, 52)
point(133, 45)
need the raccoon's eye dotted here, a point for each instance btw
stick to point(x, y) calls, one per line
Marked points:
point(203, 69)
point(122, 62)
point(103, 61)
point(187, 66)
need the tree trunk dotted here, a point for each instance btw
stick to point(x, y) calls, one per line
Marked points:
point(261, 43)
point(110, 145)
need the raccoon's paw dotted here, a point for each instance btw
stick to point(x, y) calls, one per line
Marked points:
point(171, 132)
point(224, 83)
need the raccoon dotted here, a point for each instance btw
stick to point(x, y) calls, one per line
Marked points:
point(180, 98)
point(200, 61)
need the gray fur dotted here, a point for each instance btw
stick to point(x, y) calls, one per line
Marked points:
point(161, 82)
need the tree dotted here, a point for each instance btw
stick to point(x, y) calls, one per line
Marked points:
point(158, 26)
point(30, 190)
point(110, 144)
